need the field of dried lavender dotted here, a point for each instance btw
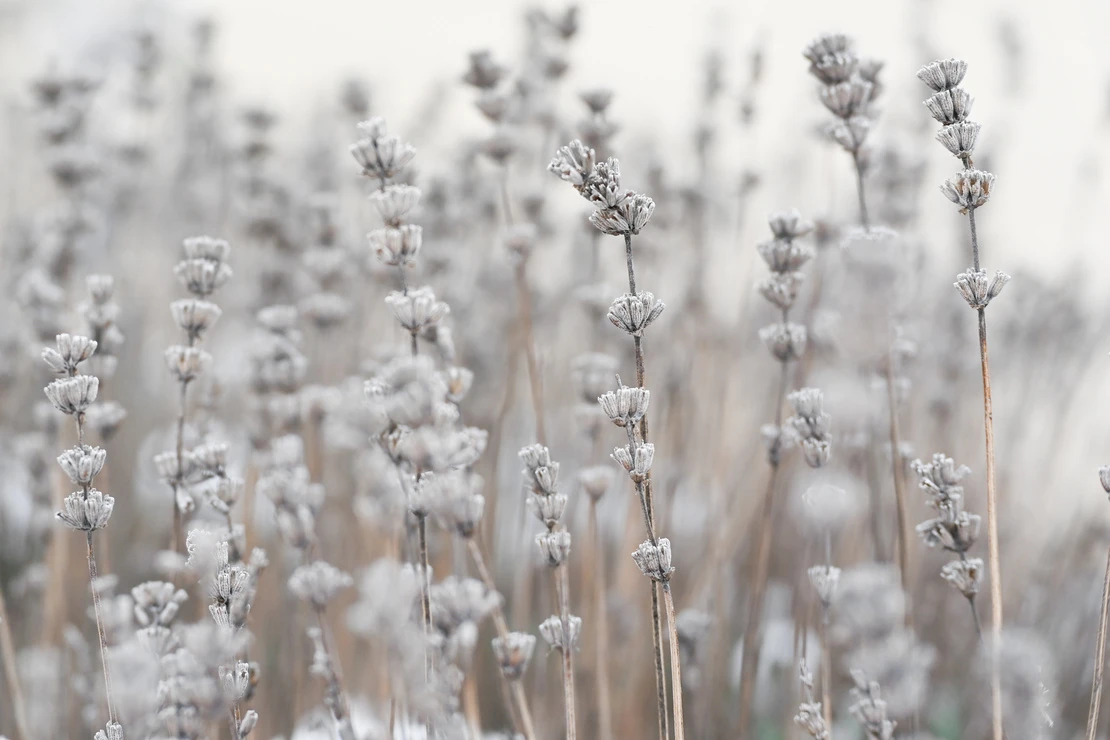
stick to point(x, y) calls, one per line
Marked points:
point(378, 431)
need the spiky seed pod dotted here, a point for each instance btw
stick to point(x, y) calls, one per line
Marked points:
point(73, 395)
point(943, 74)
point(977, 289)
point(87, 511)
point(635, 313)
point(654, 560)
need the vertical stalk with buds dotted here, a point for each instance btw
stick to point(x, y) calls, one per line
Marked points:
point(86, 510)
point(203, 270)
point(623, 213)
point(786, 341)
point(970, 189)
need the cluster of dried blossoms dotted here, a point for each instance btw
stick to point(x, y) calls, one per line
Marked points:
point(849, 88)
point(87, 509)
point(953, 528)
point(870, 709)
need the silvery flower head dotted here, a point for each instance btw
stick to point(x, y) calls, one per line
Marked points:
point(832, 69)
point(943, 74)
point(394, 202)
point(235, 681)
point(654, 561)
point(202, 277)
point(629, 217)
point(781, 289)
point(408, 390)
point(71, 351)
point(625, 406)
point(318, 583)
point(847, 99)
point(573, 163)
point(826, 45)
point(548, 508)
point(870, 709)
point(87, 511)
point(960, 138)
point(941, 476)
point(637, 463)
point(634, 313)
point(968, 189)
point(380, 154)
point(554, 547)
point(596, 480)
point(458, 381)
point(111, 731)
point(786, 341)
point(603, 188)
point(207, 248)
point(194, 316)
point(483, 72)
point(788, 225)
point(850, 133)
point(417, 309)
point(541, 472)
point(977, 289)
point(782, 254)
point(824, 579)
point(82, 464)
point(73, 395)
point(964, 575)
point(513, 653)
point(186, 363)
point(949, 106)
point(597, 99)
point(551, 629)
point(954, 530)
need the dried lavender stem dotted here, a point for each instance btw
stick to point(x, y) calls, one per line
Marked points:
point(502, 627)
point(899, 488)
point(100, 629)
point(676, 666)
point(425, 589)
point(826, 670)
point(649, 515)
point(749, 663)
point(604, 704)
point(11, 673)
point(562, 587)
point(340, 710)
point(863, 217)
point(1100, 656)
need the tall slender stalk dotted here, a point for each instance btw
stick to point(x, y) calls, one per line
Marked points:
point(899, 487)
point(1100, 656)
point(562, 588)
point(601, 658)
point(11, 673)
point(676, 674)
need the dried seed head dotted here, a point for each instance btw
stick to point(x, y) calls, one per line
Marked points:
point(540, 470)
point(87, 511)
point(603, 188)
point(943, 74)
point(551, 629)
point(786, 341)
point(111, 731)
point(597, 99)
point(811, 426)
point(397, 246)
point(596, 480)
point(202, 277)
point(82, 464)
point(394, 203)
point(548, 508)
point(483, 72)
point(781, 289)
point(157, 603)
point(964, 575)
point(870, 709)
point(629, 217)
point(625, 406)
point(573, 163)
point(207, 248)
point(513, 652)
point(850, 133)
point(782, 254)
point(458, 381)
point(379, 154)
point(71, 351)
point(847, 99)
point(832, 69)
point(950, 106)
point(960, 138)
point(638, 462)
point(554, 546)
point(186, 363)
point(634, 313)
point(318, 583)
point(654, 561)
point(417, 309)
point(977, 289)
point(195, 316)
point(968, 189)
point(824, 579)
point(789, 225)
point(73, 395)
point(826, 45)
